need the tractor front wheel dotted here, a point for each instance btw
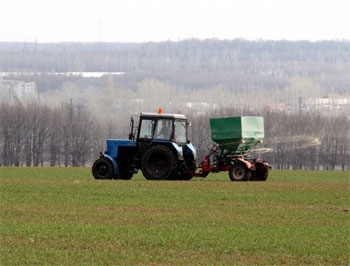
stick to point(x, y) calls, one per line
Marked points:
point(239, 172)
point(159, 163)
point(102, 169)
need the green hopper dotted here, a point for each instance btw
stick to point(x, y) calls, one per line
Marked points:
point(237, 134)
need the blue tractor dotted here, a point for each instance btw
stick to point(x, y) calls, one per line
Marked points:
point(159, 147)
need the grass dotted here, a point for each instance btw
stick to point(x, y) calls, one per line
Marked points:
point(62, 216)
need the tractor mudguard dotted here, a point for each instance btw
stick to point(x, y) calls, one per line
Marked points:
point(189, 149)
point(115, 166)
point(248, 164)
point(262, 162)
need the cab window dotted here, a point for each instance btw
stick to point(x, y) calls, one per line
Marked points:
point(146, 130)
point(180, 131)
point(164, 129)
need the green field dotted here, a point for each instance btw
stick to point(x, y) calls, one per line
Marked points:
point(62, 216)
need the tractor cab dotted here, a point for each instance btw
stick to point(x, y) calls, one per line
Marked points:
point(159, 128)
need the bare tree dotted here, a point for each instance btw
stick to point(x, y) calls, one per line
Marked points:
point(13, 128)
point(55, 136)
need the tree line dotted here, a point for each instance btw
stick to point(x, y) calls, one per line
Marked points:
point(36, 135)
point(69, 135)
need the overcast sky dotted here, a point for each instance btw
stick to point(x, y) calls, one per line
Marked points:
point(159, 20)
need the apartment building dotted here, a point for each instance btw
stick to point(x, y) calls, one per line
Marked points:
point(13, 90)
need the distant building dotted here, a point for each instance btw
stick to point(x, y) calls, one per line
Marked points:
point(14, 91)
point(327, 104)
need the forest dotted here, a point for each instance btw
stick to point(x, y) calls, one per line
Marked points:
point(68, 124)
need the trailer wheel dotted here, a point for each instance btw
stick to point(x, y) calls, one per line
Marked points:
point(260, 173)
point(239, 172)
point(159, 163)
point(102, 169)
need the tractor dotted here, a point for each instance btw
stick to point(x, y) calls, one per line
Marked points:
point(160, 148)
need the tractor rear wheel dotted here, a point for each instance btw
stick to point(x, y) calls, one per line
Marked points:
point(102, 169)
point(159, 163)
point(239, 172)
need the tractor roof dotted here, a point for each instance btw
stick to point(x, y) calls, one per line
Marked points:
point(174, 116)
